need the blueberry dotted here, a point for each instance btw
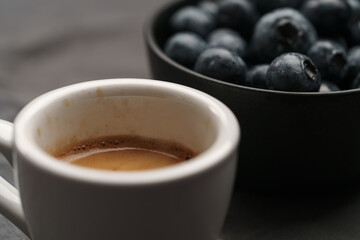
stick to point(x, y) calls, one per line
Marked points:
point(341, 40)
point(280, 31)
point(221, 64)
point(184, 48)
point(192, 19)
point(356, 82)
point(239, 15)
point(228, 39)
point(265, 6)
point(209, 7)
point(327, 86)
point(256, 76)
point(352, 67)
point(354, 22)
point(328, 16)
point(330, 58)
point(293, 72)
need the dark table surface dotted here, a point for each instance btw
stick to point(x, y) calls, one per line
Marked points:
point(48, 44)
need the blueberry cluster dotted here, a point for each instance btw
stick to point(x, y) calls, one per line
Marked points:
point(293, 45)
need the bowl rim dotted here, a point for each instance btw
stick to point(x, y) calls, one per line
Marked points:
point(153, 45)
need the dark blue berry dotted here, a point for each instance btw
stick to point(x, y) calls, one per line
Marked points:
point(352, 67)
point(327, 86)
point(209, 7)
point(265, 6)
point(221, 64)
point(354, 22)
point(341, 40)
point(356, 82)
point(280, 31)
point(293, 72)
point(330, 58)
point(256, 76)
point(328, 16)
point(228, 39)
point(184, 48)
point(239, 15)
point(192, 19)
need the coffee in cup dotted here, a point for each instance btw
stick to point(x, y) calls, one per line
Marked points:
point(57, 200)
point(125, 153)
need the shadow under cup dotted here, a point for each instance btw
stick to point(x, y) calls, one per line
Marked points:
point(188, 200)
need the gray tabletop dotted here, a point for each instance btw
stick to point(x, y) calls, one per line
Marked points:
point(48, 44)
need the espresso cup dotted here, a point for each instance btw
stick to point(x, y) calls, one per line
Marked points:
point(57, 200)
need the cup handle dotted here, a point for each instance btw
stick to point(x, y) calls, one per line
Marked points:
point(10, 203)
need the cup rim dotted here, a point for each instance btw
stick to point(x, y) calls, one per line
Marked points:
point(225, 144)
point(153, 45)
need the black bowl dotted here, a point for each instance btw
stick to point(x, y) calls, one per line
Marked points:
point(288, 139)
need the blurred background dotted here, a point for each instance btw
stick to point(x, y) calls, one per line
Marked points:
point(49, 44)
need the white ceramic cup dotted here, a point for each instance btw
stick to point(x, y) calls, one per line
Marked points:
point(61, 201)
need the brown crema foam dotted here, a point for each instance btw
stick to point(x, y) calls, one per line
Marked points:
point(125, 153)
